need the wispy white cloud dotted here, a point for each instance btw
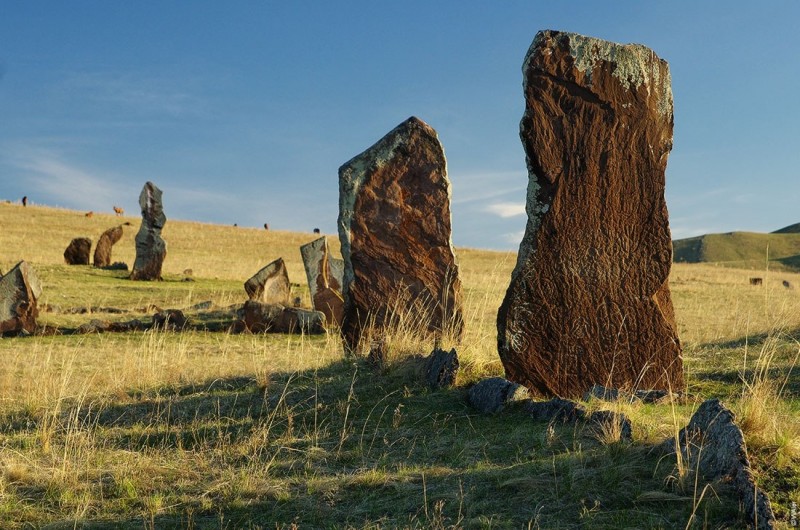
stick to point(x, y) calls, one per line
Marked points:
point(485, 185)
point(506, 209)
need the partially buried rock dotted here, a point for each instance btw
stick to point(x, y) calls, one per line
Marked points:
point(270, 285)
point(394, 228)
point(151, 249)
point(102, 252)
point(78, 250)
point(441, 368)
point(170, 320)
point(325, 276)
point(589, 301)
point(19, 291)
point(494, 394)
point(259, 318)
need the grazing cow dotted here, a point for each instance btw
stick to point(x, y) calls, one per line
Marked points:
point(316, 230)
point(119, 211)
point(266, 226)
point(235, 224)
point(756, 281)
point(25, 200)
point(787, 284)
point(89, 214)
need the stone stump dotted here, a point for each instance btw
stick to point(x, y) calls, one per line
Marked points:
point(270, 285)
point(589, 301)
point(102, 252)
point(78, 250)
point(394, 228)
point(19, 291)
point(325, 277)
point(151, 249)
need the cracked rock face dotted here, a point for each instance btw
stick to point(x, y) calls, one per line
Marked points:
point(270, 285)
point(19, 291)
point(589, 301)
point(325, 278)
point(394, 227)
point(151, 249)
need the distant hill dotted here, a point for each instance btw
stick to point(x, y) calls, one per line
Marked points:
point(747, 250)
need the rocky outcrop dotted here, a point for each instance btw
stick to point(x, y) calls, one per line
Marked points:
point(714, 444)
point(270, 285)
point(78, 250)
point(275, 318)
point(394, 228)
point(102, 252)
point(494, 394)
point(325, 277)
point(589, 301)
point(19, 291)
point(151, 249)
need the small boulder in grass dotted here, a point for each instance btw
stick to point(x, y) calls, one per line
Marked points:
point(170, 319)
point(441, 368)
point(492, 395)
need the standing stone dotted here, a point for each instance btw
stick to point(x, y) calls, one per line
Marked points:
point(589, 301)
point(77, 253)
point(102, 252)
point(394, 227)
point(325, 276)
point(270, 285)
point(19, 291)
point(150, 248)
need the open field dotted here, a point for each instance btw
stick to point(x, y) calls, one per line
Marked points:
point(216, 430)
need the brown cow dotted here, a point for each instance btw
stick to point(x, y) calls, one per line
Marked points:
point(119, 211)
point(89, 214)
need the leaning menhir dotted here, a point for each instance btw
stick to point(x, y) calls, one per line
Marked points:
point(589, 301)
point(150, 248)
point(394, 227)
point(19, 292)
point(102, 252)
point(270, 285)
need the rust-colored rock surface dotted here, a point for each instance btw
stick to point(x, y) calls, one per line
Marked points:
point(270, 285)
point(394, 227)
point(151, 249)
point(78, 250)
point(589, 301)
point(19, 291)
point(102, 252)
point(325, 277)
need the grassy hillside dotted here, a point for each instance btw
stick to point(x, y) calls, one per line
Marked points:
point(216, 430)
point(745, 250)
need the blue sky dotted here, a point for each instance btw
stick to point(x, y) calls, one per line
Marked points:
point(242, 112)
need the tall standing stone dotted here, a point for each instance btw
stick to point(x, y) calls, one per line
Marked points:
point(325, 278)
point(150, 248)
point(589, 301)
point(102, 252)
point(394, 227)
point(19, 291)
point(270, 285)
point(78, 250)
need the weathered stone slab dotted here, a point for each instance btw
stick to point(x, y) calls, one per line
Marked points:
point(493, 394)
point(78, 250)
point(394, 228)
point(589, 301)
point(325, 277)
point(102, 252)
point(714, 444)
point(260, 318)
point(19, 291)
point(151, 249)
point(270, 285)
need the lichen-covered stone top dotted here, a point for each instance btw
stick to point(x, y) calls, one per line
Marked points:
point(635, 64)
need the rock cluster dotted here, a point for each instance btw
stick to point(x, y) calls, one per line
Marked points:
point(151, 249)
point(589, 301)
point(19, 291)
point(394, 228)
